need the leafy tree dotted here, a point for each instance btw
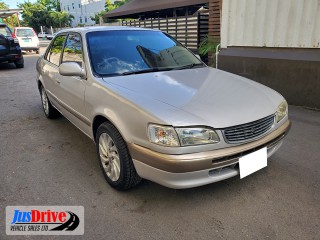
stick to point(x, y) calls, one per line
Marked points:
point(10, 23)
point(61, 19)
point(3, 5)
point(51, 5)
point(44, 13)
point(109, 6)
point(13, 23)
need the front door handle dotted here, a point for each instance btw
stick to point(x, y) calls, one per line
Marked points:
point(58, 82)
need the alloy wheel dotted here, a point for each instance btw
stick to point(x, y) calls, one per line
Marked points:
point(109, 157)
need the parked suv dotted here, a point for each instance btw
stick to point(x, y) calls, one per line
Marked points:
point(10, 50)
point(27, 38)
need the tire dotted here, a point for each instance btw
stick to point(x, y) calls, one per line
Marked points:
point(19, 65)
point(48, 109)
point(114, 158)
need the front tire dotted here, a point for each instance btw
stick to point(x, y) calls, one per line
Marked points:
point(48, 109)
point(114, 158)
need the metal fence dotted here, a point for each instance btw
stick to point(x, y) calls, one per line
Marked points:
point(271, 23)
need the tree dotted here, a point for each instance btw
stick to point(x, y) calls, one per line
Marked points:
point(61, 19)
point(8, 20)
point(3, 5)
point(12, 22)
point(44, 13)
point(109, 6)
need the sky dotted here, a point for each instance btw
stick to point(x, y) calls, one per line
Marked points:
point(13, 3)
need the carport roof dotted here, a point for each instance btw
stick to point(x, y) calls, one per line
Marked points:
point(4, 13)
point(135, 7)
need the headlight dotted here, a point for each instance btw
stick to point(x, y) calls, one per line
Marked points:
point(163, 135)
point(282, 111)
point(169, 136)
point(197, 136)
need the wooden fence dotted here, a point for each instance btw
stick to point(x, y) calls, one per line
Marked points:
point(188, 30)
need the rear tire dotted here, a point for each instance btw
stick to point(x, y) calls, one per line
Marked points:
point(114, 158)
point(48, 109)
point(19, 65)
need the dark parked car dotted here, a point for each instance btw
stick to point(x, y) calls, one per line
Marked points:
point(50, 36)
point(10, 50)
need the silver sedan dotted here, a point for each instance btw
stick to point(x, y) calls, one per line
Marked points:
point(156, 111)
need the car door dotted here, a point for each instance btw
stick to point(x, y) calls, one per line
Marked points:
point(71, 90)
point(50, 69)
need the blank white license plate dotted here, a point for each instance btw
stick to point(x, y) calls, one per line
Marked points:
point(253, 162)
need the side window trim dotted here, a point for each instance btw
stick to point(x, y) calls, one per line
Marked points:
point(51, 45)
point(63, 46)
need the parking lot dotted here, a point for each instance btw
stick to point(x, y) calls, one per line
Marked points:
point(50, 162)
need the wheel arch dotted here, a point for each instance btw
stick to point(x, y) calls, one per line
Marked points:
point(39, 84)
point(98, 120)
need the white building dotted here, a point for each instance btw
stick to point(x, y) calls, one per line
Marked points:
point(82, 10)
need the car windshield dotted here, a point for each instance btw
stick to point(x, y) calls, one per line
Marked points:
point(5, 31)
point(24, 33)
point(131, 52)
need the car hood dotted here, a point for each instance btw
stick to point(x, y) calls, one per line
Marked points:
point(205, 96)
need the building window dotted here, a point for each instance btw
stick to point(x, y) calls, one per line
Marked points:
point(68, 8)
point(85, 19)
point(80, 19)
point(79, 5)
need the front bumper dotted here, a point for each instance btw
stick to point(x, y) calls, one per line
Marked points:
point(196, 169)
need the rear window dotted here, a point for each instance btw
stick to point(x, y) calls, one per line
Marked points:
point(24, 33)
point(5, 31)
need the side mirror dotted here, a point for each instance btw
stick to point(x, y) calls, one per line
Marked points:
point(71, 69)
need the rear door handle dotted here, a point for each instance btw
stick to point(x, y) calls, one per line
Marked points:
point(58, 81)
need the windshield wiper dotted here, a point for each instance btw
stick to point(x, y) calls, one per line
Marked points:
point(156, 69)
point(148, 70)
point(192, 65)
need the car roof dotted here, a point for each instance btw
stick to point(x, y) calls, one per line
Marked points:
point(106, 28)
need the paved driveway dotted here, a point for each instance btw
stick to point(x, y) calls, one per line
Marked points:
point(47, 162)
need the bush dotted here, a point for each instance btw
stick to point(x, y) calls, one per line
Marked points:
point(209, 45)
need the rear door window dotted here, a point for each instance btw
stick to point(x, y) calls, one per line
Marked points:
point(5, 31)
point(55, 51)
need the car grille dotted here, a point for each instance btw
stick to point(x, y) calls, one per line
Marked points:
point(248, 131)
